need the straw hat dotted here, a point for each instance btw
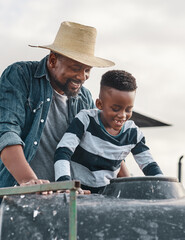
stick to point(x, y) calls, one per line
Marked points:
point(77, 42)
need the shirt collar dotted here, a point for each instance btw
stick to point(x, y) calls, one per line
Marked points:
point(42, 69)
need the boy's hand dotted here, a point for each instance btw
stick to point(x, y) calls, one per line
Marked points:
point(79, 191)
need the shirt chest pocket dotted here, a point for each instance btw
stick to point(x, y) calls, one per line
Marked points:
point(38, 109)
point(34, 116)
point(34, 106)
point(33, 109)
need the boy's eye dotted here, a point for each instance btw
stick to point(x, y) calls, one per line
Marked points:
point(129, 110)
point(115, 109)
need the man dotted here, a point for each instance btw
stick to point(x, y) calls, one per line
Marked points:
point(38, 100)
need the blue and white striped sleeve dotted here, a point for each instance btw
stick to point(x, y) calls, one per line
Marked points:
point(66, 148)
point(144, 158)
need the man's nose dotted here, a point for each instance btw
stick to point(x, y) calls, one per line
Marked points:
point(82, 75)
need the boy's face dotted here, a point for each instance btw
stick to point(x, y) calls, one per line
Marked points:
point(116, 108)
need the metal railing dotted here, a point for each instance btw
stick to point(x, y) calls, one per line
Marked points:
point(180, 168)
point(67, 185)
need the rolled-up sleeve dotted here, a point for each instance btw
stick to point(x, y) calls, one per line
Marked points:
point(9, 139)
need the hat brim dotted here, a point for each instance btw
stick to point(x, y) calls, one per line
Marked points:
point(79, 57)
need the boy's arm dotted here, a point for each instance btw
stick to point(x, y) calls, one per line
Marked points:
point(15, 161)
point(123, 170)
point(62, 162)
point(145, 160)
point(66, 148)
point(152, 169)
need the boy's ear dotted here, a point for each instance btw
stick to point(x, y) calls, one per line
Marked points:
point(99, 104)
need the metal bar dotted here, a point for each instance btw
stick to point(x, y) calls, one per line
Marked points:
point(40, 188)
point(180, 168)
point(72, 216)
point(70, 185)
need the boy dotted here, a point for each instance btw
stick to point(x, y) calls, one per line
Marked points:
point(98, 140)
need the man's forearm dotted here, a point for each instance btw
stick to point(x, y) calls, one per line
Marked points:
point(15, 161)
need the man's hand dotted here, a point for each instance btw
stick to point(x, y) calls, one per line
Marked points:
point(37, 181)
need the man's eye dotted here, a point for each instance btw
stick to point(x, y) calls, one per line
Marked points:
point(76, 69)
point(87, 70)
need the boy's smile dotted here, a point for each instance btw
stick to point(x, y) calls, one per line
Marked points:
point(116, 108)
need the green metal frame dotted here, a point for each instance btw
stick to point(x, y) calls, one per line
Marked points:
point(67, 185)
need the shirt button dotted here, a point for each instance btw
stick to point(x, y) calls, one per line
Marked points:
point(42, 120)
point(35, 143)
point(34, 110)
point(48, 99)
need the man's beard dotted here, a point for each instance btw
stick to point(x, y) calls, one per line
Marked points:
point(65, 87)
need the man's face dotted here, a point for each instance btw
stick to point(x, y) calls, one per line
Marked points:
point(67, 75)
point(116, 108)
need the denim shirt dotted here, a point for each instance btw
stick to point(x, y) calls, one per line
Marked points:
point(25, 99)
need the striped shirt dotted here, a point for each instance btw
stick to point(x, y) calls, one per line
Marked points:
point(87, 152)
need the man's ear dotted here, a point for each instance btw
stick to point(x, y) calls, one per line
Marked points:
point(99, 104)
point(52, 60)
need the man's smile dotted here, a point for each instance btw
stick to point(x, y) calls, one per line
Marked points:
point(75, 84)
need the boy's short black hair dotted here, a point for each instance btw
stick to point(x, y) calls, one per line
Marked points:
point(119, 80)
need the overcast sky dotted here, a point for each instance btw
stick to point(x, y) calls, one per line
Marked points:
point(143, 37)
